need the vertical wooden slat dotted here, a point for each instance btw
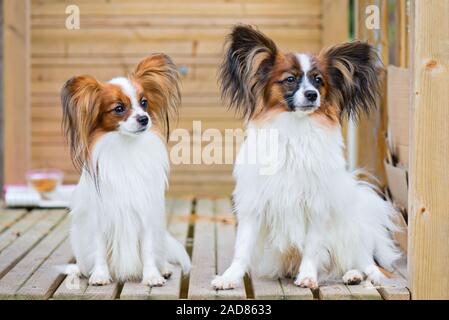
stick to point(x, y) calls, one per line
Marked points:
point(394, 289)
point(335, 22)
point(179, 212)
point(16, 97)
point(364, 291)
point(428, 253)
point(203, 255)
point(267, 289)
point(370, 141)
point(293, 292)
point(225, 244)
point(334, 292)
point(402, 34)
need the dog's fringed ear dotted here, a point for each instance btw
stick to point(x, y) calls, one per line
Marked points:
point(80, 107)
point(245, 70)
point(159, 78)
point(354, 71)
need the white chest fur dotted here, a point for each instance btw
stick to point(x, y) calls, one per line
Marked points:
point(310, 197)
point(124, 204)
point(306, 157)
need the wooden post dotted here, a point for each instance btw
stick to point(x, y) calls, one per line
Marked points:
point(429, 155)
point(16, 97)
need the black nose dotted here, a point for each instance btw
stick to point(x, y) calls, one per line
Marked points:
point(311, 95)
point(143, 120)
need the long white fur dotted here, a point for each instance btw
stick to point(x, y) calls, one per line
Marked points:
point(118, 228)
point(312, 206)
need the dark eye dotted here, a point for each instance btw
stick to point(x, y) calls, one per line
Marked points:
point(144, 103)
point(318, 80)
point(119, 109)
point(290, 79)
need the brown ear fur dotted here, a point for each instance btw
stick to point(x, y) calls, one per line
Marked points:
point(244, 73)
point(159, 78)
point(81, 110)
point(353, 70)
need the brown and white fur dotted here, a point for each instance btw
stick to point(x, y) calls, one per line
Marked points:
point(115, 132)
point(311, 218)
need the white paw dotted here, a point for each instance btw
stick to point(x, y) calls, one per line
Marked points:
point(224, 283)
point(374, 275)
point(353, 277)
point(306, 282)
point(72, 270)
point(154, 280)
point(100, 278)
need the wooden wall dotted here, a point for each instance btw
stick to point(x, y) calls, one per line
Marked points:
point(115, 34)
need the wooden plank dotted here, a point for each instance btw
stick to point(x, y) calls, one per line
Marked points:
point(293, 292)
point(394, 289)
point(225, 238)
point(267, 289)
point(428, 256)
point(71, 288)
point(182, 8)
point(16, 70)
point(101, 21)
point(19, 248)
point(18, 229)
point(107, 292)
point(334, 22)
point(178, 227)
point(370, 140)
point(46, 279)
point(364, 291)
point(10, 216)
point(18, 275)
point(203, 255)
point(334, 292)
point(179, 212)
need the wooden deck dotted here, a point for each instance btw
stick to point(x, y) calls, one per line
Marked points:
point(33, 242)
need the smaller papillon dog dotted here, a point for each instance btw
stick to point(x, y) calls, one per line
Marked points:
point(116, 135)
point(311, 218)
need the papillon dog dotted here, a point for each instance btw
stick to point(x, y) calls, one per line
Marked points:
point(311, 218)
point(116, 132)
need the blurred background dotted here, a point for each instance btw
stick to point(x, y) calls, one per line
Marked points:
point(41, 53)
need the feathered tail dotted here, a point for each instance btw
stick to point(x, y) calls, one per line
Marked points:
point(177, 254)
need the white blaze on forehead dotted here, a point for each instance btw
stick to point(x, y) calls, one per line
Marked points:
point(299, 98)
point(127, 88)
point(131, 125)
point(305, 61)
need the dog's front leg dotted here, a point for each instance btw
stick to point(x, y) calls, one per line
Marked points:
point(311, 260)
point(100, 274)
point(244, 248)
point(151, 274)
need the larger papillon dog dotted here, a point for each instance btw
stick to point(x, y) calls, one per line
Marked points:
point(116, 136)
point(310, 219)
